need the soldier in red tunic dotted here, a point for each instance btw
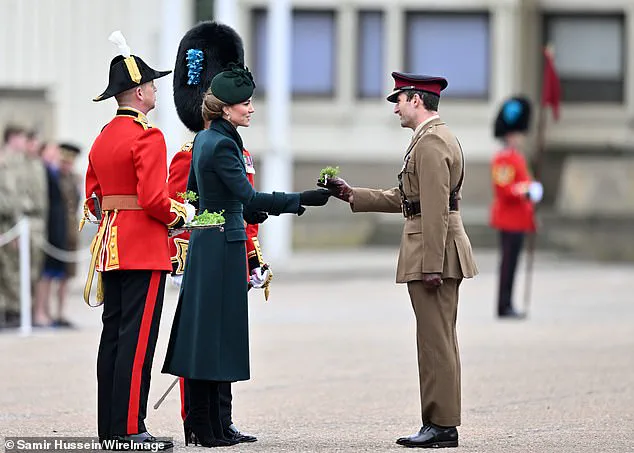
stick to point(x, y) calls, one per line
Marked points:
point(127, 172)
point(514, 194)
point(204, 51)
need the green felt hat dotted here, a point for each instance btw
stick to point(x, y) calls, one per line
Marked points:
point(233, 85)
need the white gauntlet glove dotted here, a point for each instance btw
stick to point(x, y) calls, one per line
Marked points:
point(259, 278)
point(535, 191)
point(176, 280)
point(191, 212)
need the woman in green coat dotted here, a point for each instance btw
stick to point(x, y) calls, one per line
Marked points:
point(209, 341)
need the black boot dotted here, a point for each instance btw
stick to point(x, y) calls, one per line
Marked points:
point(197, 424)
point(214, 414)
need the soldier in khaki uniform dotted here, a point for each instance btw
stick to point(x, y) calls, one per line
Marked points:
point(435, 253)
point(10, 211)
point(33, 180)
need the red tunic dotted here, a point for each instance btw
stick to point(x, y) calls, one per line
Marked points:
point(512, 210)
point(177, 183)
point(129, 158)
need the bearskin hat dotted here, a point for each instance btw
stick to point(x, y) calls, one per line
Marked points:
point(514, 116)
point(204, 51)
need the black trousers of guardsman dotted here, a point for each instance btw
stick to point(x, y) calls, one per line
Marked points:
point(133, 301)
point(511, 244)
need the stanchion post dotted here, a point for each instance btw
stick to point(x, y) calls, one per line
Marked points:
point(25, 277)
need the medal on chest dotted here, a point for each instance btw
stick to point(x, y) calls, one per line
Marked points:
point(248, 163)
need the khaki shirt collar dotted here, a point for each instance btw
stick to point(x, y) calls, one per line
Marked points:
point(422, 125)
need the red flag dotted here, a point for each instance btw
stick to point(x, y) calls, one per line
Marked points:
point(551, 88)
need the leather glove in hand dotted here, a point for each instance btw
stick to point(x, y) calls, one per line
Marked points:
point(338, 188)
point(432, 281)
point(254, 217)
point(315, 197)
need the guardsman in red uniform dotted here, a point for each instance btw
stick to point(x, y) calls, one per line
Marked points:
point(127, 172)
point(204, 51)
point(515, 194)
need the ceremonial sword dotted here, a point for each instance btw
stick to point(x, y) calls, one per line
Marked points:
point(169, 389)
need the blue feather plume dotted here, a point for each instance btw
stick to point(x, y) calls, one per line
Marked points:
point(194, 65)
point(512, 111)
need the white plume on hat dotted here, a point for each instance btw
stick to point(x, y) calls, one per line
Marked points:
point(116, 37)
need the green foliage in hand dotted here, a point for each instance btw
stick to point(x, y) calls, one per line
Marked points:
point(190, 195)
point(328, 172)
point(209, 218)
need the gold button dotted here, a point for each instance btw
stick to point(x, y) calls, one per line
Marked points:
point(112, 246)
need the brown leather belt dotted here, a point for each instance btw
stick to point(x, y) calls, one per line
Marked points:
point(120, 202)
point(412, 208)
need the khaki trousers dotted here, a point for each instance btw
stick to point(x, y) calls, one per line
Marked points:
point(438, 355)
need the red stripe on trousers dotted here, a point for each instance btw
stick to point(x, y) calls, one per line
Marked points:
point(181, 381)
point(139, 355)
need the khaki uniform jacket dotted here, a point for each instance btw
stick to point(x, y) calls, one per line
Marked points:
point(434, 241)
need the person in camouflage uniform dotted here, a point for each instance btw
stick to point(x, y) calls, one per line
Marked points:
point(33, 179)
point(10, 210)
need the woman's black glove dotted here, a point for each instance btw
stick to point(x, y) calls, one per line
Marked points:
point(315, 197)
point(254, 217)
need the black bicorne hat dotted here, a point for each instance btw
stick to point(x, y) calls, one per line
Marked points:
point(514, 116)
point(127, 71)
point(205, 50)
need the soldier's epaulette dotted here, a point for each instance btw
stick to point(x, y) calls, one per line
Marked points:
point(137, 116)
point(143, 122)
point(187, 147)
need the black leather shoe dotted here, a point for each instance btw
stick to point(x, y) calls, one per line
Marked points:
point(232, 433)
point(431, 436)
point(137, 442)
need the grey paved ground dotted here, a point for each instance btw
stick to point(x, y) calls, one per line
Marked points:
point(334, 363)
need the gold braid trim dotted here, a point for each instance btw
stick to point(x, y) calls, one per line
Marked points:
point(257, 251)
point(182, 245)
point(180, 211)
point(133, 69)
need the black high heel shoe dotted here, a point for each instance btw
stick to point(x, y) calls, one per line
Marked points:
point(201, 434)
point(190, 437)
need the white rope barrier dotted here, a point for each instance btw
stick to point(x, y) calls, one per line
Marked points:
point(22, 232)
point(65, 256)
point(11, 235)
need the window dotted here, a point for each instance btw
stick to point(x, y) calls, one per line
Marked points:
point(454, 46)
point(370, 71)
point(589, 56)
point(204, 10)
point(312, 52)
